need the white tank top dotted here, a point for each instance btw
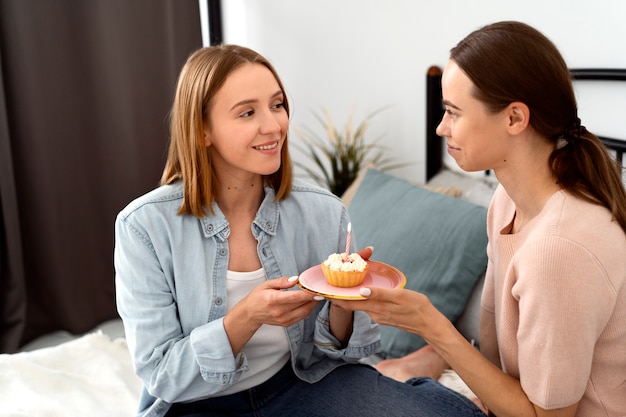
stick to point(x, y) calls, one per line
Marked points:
point(268, 349)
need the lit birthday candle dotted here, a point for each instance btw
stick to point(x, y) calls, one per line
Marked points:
point(347, 255)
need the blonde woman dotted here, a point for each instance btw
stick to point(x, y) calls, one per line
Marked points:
point(214, 325)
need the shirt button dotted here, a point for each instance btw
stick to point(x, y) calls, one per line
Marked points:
point(223, 252)
point(218, 301)
point(209, 228)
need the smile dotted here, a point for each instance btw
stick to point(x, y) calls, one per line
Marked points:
point(266, 147)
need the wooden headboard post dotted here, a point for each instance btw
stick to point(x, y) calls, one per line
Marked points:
point(434, 113)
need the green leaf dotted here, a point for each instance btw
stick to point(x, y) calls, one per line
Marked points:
point(338, 157)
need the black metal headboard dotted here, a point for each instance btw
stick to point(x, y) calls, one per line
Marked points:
point(435, 109)
point(604, 74)
point(434, 113)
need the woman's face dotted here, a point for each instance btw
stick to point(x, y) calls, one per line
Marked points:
point(475, 137)
point(248, 123)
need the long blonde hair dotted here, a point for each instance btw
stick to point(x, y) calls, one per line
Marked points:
point(202, 76)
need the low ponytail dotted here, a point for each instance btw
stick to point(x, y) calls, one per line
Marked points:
point(584, 168)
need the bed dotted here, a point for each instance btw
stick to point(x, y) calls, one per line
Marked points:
point(62, 374)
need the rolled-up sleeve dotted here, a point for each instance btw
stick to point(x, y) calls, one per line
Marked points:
point(364, 341)
point(214, 354)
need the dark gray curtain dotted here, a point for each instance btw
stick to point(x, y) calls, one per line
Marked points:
point(85, 90)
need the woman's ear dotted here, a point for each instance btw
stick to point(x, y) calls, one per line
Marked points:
point(207, 136)
point(518, 117)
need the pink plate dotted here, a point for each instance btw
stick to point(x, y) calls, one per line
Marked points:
point(379, 275)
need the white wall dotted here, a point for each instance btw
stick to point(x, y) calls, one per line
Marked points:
point(367, 54)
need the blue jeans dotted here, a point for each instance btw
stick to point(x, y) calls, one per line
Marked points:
point(350, 390)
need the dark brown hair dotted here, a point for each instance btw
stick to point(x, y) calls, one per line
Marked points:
point(202, 76)
point(512, 61)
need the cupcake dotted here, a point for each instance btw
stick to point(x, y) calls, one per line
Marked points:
point(344, 271)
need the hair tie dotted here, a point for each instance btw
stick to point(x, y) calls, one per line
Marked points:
point(574, 132)
point(561, 142)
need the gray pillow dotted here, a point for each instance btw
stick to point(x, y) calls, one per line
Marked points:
point(439, 242)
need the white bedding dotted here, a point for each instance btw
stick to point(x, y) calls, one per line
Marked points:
point(88, 376)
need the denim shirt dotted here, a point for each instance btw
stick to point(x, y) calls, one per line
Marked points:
point(171, 290)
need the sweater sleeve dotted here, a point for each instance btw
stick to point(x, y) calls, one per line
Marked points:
point(565, 299)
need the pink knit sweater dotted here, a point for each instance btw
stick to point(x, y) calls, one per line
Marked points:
point(558, 292)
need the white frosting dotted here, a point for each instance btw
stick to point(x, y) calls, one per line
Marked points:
point(354, 263)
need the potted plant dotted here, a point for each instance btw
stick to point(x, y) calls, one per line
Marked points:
point(338, 156)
